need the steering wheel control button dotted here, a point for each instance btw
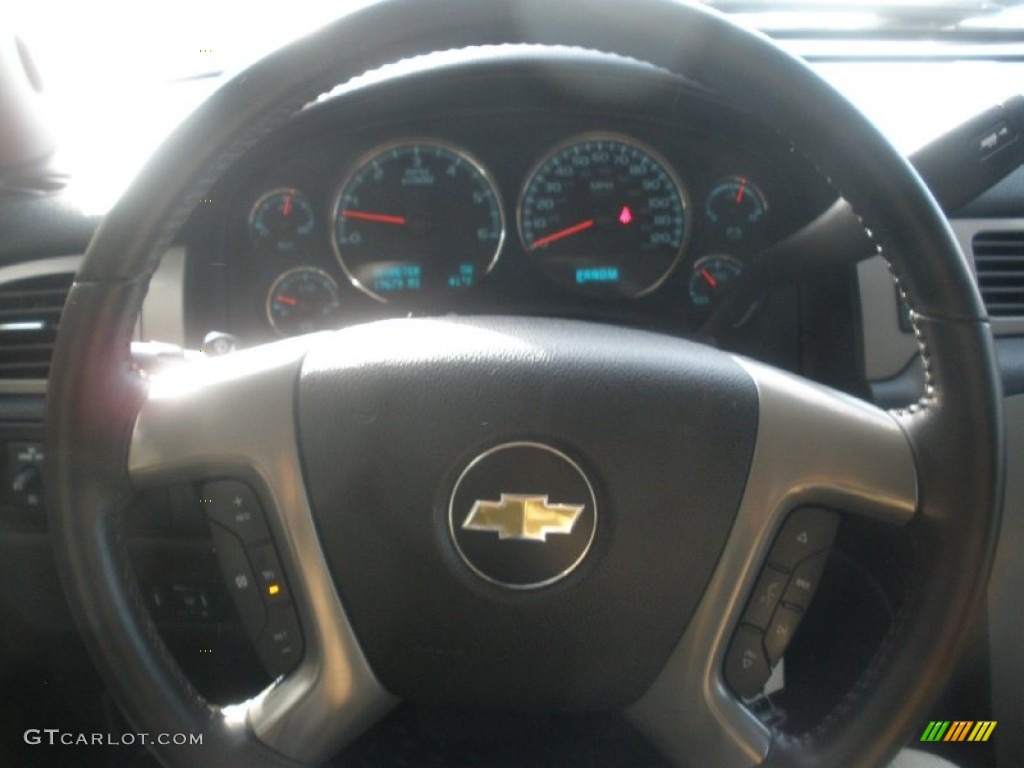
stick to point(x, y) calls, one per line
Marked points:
point(269, 574)
point(765, 598)
point(235, 506)
point(241, 581)
point(522, 515)
point(746, 668)
point(280, 644)
point(25, 473)
point(781, 631)
point(804, 581)
point(807, 531)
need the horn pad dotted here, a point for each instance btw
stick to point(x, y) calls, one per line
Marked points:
point(524, 600)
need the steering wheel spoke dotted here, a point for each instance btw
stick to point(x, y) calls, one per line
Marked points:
point(817, 451)
point(233, 417)
point(819, 446)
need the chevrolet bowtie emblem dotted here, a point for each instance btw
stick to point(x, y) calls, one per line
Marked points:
point(518, 516)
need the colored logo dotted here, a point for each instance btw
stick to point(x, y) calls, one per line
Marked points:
point(522, 517)
point(958, 730)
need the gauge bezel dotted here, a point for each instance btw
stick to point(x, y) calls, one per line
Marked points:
point(260, 201)
point(659, 158)
point(741, 179)
point(698, 265)
point(284, 276)
point(365, 158)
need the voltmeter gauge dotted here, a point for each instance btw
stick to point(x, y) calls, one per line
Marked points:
point(710, 278)
point(736, 208)
point(302, 300)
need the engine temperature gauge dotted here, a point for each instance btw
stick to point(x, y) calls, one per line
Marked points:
point(710, 277)
point(735, 208)
point(302, 300)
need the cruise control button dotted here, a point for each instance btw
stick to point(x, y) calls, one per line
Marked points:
point(242, 584)
point(235, 506)
point(781, 631)
point(808, 530)
point(269, 573)
point(746, 668)
point(804, 582)
point(280, 645)
point(765, 598)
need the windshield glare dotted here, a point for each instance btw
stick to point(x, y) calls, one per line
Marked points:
point(99, 62)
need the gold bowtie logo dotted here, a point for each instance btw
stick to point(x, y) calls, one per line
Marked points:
point(519, 516)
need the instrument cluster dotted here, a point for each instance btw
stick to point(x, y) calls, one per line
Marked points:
point(423, 219)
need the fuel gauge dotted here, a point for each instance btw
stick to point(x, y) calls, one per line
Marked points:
point(736, 208)
point(282, 222)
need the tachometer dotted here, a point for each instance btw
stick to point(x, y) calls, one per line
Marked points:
point(604, 216)
point(415, 218)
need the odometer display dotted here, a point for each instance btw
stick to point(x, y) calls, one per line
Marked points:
point(417, 218)
point(604, 216)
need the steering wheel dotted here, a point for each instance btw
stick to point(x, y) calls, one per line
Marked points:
point(358, 443)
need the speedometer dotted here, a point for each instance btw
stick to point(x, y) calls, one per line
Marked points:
point(604, 216)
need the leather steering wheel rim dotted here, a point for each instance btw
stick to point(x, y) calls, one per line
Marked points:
point(955, 430)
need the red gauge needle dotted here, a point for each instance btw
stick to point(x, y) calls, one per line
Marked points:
point(287, 209)
point(381, 218)
point(286, 300)
point(707, 276)
point(742, 190)
point(562, 233)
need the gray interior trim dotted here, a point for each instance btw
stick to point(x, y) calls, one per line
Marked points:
point(163, 311)
point(54, 265)
point(887, 349)
point(814, 445)
point(23, 387)
point(234, 415)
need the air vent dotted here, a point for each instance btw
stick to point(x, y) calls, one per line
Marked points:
point(999, 262)
point(29, 314)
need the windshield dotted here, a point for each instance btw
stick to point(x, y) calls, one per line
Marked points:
point(100, 62)
point(945, 18)
point(131, 42)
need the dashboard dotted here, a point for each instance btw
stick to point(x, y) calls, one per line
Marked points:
point(548, 183)
point(470, 193)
